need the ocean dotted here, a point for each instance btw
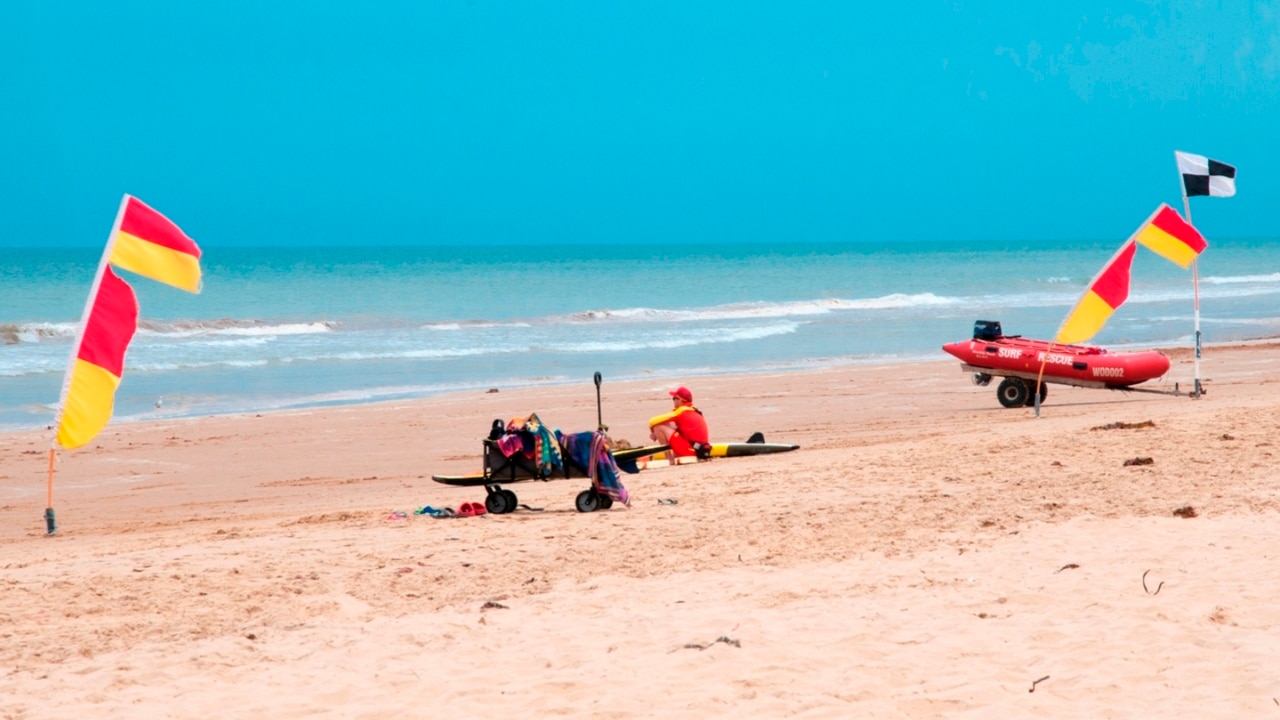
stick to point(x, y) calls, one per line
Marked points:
point(297, 327)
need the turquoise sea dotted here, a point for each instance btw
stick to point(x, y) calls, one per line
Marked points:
point(289, 327)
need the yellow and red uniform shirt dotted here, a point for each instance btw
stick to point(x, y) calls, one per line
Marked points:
point(691, 428)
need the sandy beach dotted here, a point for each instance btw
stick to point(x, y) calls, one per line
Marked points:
point(926, 553)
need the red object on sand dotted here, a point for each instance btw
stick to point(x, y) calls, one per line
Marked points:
point(991, 353)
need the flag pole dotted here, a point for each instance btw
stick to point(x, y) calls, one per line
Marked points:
point(51, 525)
point(1044, 360)
point(50, 522)
point(1195, 293)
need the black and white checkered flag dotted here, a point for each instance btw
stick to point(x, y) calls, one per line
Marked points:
point(1202, 176)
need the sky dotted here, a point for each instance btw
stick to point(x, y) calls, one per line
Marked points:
point(335, 122)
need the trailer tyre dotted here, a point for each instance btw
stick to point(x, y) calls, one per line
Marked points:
point(1031, 397)
point(587, 501)
point(497, 503)
point(511, 501)
point(1013, 392)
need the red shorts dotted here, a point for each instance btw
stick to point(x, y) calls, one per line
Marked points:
point(679, 446)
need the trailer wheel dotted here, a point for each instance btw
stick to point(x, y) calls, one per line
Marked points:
point(606, 502)
point(1031, 397)
point(497, 503)
point(1013, 392)
point(587, 501)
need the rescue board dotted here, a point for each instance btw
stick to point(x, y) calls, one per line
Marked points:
point(718, 450)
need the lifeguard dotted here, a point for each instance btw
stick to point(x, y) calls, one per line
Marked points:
point(683, 429)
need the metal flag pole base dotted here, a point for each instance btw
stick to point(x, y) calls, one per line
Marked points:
point(1197, 391)
point(50, 522)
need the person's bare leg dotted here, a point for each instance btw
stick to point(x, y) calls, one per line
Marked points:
point(662, 433)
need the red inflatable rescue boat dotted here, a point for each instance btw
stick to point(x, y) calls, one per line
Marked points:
point(1018, 360)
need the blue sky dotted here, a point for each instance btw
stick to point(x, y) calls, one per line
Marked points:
point(476, 121)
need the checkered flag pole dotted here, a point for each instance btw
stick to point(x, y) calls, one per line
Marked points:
point(1202, 176)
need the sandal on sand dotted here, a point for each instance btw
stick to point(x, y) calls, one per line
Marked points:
point(441, 512)
point(468, 509)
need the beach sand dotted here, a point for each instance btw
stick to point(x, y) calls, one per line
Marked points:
point(926, 553)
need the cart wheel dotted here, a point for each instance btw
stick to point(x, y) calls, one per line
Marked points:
point(587, 501)
point(1013, 392)
point(1031, 397)
point(606, 502)
point(512, 501)
point(496, 502)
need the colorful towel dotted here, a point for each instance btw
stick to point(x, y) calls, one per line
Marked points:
point(546, 450)
point(510, 444)
point(591, 451)
point(533, 438)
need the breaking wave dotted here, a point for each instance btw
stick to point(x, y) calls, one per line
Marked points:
point(747, 311)
point(36, 332)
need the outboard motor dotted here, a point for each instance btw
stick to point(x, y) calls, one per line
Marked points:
point(987, 330)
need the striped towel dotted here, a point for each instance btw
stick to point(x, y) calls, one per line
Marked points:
point(590, 450)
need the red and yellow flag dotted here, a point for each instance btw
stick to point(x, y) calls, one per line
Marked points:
point(90, 386)
point(1107, 292)
point(147, 243)
point(1171, 237)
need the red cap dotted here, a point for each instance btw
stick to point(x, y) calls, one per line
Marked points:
point(683, 393)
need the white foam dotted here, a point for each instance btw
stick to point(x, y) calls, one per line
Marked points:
point(419, 354)
point(242, 342)
point(233, 328)
point(481, 325)
point(667, 341)
point(748, 311)
point(1234, 279)
point(198, 365)
point(37, 332)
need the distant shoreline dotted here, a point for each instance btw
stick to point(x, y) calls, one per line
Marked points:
point(1176, 353)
